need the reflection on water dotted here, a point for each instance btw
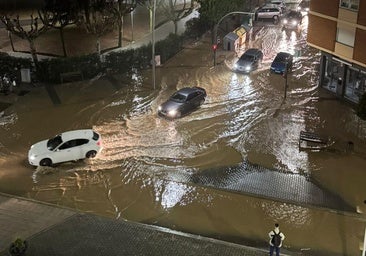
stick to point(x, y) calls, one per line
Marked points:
point(297, 216)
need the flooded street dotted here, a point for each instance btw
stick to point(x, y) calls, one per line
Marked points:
point(143, 173)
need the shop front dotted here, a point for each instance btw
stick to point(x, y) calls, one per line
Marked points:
point(345, 79)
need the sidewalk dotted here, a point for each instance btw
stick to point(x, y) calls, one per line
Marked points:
point(52, 230)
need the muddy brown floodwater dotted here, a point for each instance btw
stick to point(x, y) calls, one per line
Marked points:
point(143, 172)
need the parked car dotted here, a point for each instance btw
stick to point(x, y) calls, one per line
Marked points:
point(282, 61)
point(292, 20)
point(64, 147)
point(249, 61)
point(269, 11)
point(279, 3)
point(182, 102)
point(304, 6)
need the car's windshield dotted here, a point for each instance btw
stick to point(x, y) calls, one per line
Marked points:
point(247, 57)
point(293, 14)
point(54, 142)
point(178, 97)
point(280, 58)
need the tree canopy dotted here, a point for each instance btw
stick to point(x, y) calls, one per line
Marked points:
point(212, 10)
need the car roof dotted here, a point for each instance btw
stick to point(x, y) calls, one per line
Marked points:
point(270, 6)
point(277, 2)
point(186, 90)
point(252, 51)
point(293, 12)
point(77, 134)
point(284, 54)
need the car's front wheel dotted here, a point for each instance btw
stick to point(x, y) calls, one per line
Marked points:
point(91, 154)
point(45, 162)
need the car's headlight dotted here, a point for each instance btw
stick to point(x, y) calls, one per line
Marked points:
point(294, 22)
point(172, 113)
point(284, 21)
point(32, 157)
point(247, 68)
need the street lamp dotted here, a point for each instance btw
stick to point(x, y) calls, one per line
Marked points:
point(214, 48)
point(364, 240)
point(153, 44)
point(132, 12)
point(285, 76)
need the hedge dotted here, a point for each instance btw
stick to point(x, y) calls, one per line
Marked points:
point(49, 70)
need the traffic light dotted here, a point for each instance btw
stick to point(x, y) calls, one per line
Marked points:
point(214, 47)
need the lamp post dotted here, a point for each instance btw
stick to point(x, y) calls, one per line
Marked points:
point(364, 240)
point(132, 12)
point(153, 44)
point(214, 48)
point(285, 76)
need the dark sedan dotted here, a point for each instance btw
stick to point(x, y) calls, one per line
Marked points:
point(292, 20)
point(304, 6)
point(182, 102)
point(249, 61)
point(282, 61)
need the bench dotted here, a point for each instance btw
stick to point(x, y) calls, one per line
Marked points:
point(71, 76)
point(310, 140)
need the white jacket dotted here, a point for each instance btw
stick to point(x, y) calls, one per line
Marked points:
point(271, 234)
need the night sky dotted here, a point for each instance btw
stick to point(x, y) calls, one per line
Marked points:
point(19, 4)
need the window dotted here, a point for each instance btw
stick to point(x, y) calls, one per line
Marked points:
point(349, 4)
point(346, 36)
point(355, 84)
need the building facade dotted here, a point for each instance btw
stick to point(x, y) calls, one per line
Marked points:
point(338, 29)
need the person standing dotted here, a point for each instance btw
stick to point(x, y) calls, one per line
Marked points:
point(275, 240)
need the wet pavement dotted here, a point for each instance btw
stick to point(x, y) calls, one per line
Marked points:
point(52, 230)
point(272, 184)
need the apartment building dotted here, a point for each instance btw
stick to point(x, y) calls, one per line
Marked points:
point(338, 29)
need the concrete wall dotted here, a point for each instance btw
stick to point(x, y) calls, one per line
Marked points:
point(323, 32)
point(326, 7)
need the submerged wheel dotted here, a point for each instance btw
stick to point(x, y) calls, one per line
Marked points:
point(91, 154)
point(45, 162)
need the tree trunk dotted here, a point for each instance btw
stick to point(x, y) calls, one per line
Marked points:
point(175, 26)
point(33, 52)
point(11, 41)
point(120, 24)
point(120, 32)
point(63, 41)
point(98, 46)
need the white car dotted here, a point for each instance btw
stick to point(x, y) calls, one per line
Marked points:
point(67, 146)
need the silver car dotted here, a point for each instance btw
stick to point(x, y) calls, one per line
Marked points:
point(269, 11)
point(249, 61)
point(182, 102)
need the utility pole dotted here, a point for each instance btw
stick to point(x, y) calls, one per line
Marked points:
point(214, 48)
point(285, 76)
point(132, 13)
point(153, 44)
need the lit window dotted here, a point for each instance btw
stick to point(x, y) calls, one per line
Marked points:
point(346, 36)
point(350, 4)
